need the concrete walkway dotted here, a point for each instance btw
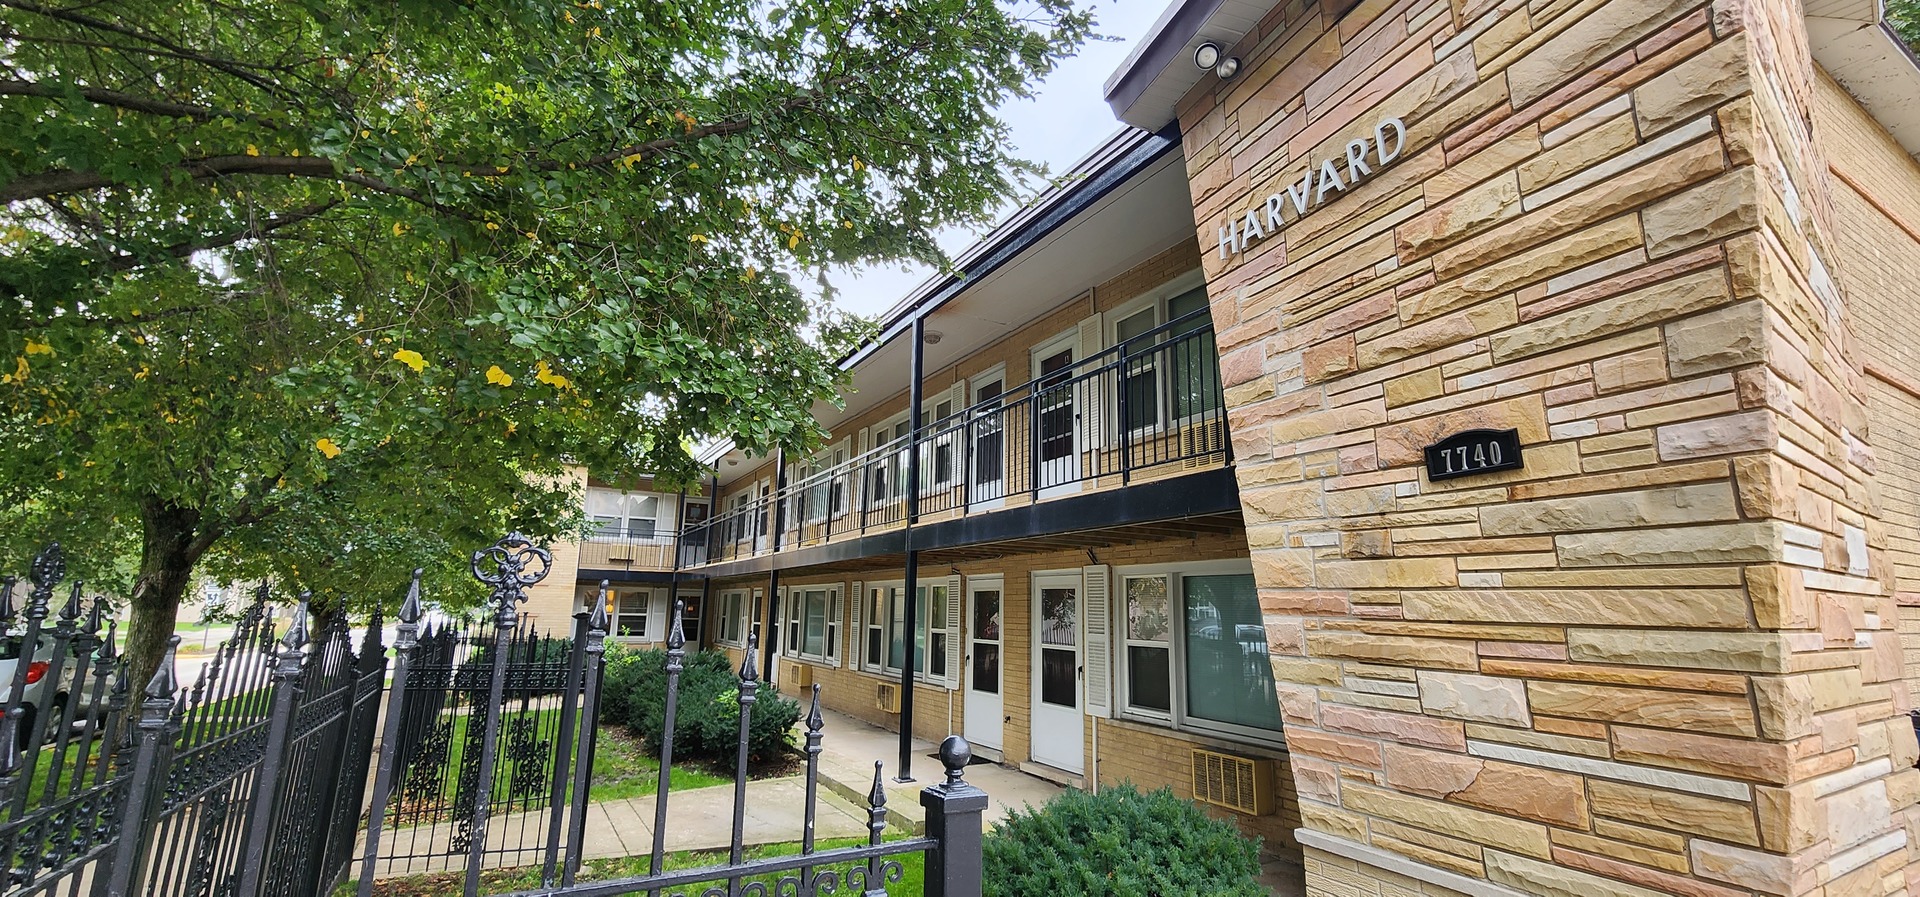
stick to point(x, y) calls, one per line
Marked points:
point(702, 818)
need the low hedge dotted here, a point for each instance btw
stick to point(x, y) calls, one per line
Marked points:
point(707, 723)
point(1119, 843)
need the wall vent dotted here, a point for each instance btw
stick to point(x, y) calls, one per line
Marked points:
point(1240, 784)
point(1203, 444)
point(888, 698)
point(796, 675)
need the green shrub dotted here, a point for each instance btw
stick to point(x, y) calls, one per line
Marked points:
point(1119, 843)
point(707, 724)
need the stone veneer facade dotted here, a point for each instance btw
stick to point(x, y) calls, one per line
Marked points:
point(1662, 657)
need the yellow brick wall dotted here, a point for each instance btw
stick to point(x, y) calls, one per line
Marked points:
point(1658, 658)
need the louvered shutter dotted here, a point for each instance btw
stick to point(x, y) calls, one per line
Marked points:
point(1092, 395)
point(837, 625)
point(658, 609)
point(1096, 615)
point(856, 654)
point(756, 618)
point(953, 632)
point(857, 490)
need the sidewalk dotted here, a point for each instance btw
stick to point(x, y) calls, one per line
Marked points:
point(702, 818)
point(849, 747)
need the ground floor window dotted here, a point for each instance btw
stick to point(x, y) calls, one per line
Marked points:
point(813, 623)
point(631, 611)
point(733, 618)
point(888, 639)
point(1195, 652)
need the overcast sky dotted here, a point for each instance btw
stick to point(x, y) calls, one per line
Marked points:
point(1067, 117)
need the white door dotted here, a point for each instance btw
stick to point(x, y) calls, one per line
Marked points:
point(763, 518)
point(985, 712)
point(1058, 431)
point(1059, 736)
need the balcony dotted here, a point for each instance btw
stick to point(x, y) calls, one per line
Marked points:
point(629, 553)
point(1149, 408)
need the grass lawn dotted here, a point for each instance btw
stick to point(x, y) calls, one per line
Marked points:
point(621, 767)
point(494, 881)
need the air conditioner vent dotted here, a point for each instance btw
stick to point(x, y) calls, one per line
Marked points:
point(796, 675)
point(1203, 444)
point(888, 697)
point(1241, 784)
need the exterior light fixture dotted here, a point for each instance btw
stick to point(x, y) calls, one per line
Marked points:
point(1210, 57)
point(932, 337)
point(1207, 55)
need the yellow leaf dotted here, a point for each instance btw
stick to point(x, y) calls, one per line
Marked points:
point(411, 359)
point(20, 370)
point(512, 428)
point(857, 164)
point(35, 347)
point(364, 133)
point(698, 238)
point(252, 150)
point(569, 16)
point(327, 447)
point(502, 169)
point(498, 377)
point(59, 474)
point(492, 226)
point(693, 165)
point(142, 373)
point(595, 32)
point(793, 240)
point(544, 373)
point(847, 224)
point(399, 228)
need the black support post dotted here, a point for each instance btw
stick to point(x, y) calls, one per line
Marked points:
point(915, 393)
point(779, 525)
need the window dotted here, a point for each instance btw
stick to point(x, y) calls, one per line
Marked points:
point(1194, 653)
point(1149, 653)
point(937, 448)
point(632, 612)
point(823, 491)
point(733, 618)
point(623, 515)
point(1139, 376)
point(887, 471)
point(1195, 377)
point(813, 623)
point(987, 430)
point(887, 637)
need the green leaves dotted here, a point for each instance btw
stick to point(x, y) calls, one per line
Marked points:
point(246, 229)
point(1905, 17)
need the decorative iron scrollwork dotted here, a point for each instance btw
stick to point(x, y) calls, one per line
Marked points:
point(516, 563)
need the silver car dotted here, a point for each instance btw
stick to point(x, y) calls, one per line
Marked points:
point(43, 702)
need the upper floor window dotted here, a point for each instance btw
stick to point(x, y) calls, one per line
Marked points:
point(628, 515)
point(1168, 377)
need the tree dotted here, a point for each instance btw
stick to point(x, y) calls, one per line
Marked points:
point(1905, 17)
point(315, 287)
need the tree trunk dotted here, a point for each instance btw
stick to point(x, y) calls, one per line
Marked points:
point(171, 542)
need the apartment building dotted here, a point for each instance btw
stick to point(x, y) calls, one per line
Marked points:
point(635, 531)
point(1466, 442)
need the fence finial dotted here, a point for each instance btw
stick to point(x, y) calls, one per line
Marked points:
point(877, 796)
point(676, 630)
point(598, 619)
point(750, 664)
point(49, 567)
point(70, 611)
point(165, 677)
point(955, 754)
point(108, 652)
point(410, 610)
point(296, 635)
point(96, 615)
point(815, 722)
point(513, 560)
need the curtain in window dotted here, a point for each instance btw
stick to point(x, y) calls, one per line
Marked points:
point(1229, 677)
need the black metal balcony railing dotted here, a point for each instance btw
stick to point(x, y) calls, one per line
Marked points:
point(602, 551)
point(1137, 407)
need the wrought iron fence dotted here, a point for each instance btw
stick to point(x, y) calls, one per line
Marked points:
point(951, 845)
point(1147, 405)
point(183, 792)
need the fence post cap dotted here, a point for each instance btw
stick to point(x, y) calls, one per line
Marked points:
point(955, 754)
point(410, 611)
point(165, 680)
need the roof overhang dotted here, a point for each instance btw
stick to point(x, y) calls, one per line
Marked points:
point(1852, 40)
point(1160, 71)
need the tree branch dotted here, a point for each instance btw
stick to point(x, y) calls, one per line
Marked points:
point(250, 232)
point(115, 99)
point(237, 70)
point(62, 181)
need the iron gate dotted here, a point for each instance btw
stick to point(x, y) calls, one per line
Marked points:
point(429, 678)
point(179, 791)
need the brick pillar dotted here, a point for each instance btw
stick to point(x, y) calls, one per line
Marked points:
point(1661, 656)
